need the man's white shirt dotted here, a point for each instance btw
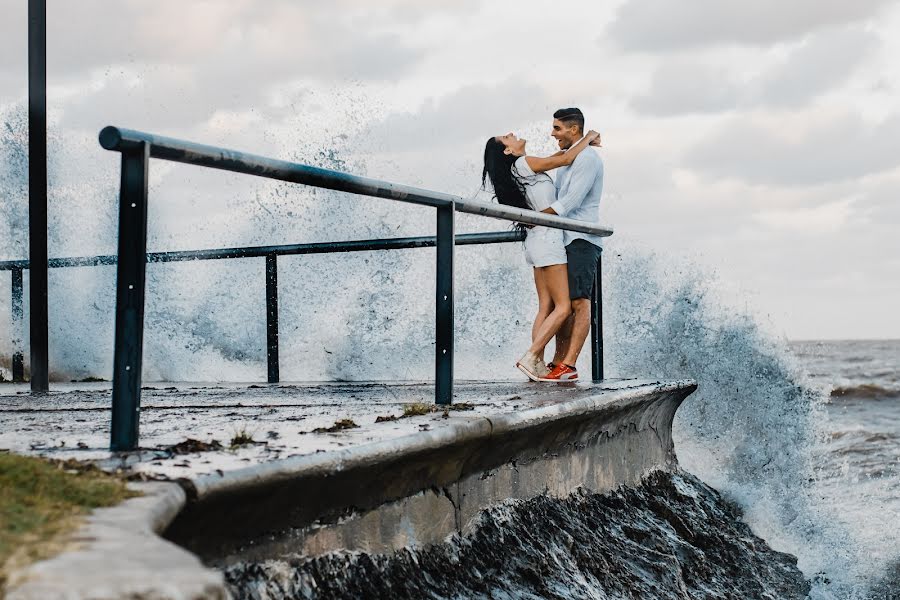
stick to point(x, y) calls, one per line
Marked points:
point(578, 191)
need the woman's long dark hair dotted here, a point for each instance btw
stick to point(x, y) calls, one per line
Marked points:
point(498, 167)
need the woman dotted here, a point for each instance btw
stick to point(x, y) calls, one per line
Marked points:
point(521, 181)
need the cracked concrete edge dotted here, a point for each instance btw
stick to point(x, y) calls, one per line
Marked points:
point(117, 554)
point(205, 487)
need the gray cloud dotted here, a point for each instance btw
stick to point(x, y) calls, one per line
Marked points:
point(683, 87)
point(415, 11)
point(816, 66)
point(330, 42)
point(841, 149)
point(162, 99)
point(234, 78)
point(470, 112)
point(661, 25)
point(12, 86)
point(880, 203)
point(820, 63)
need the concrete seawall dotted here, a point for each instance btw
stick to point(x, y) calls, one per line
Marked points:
point(417, 489)
point(341, 466)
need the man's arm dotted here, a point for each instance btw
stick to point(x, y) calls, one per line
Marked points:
point(562, 159)
point(581, 179)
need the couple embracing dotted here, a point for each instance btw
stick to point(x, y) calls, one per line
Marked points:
point(564, 262)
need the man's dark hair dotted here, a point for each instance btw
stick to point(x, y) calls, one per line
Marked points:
point(570, 116)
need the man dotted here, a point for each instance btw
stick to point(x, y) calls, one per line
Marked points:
point(578, 191)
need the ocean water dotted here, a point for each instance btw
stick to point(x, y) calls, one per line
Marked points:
point(858, 461)
point(814, 473)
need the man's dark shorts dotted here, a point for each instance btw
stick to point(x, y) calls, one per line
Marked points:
point(583, 257)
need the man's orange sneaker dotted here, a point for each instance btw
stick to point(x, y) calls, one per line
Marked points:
point(561, 373)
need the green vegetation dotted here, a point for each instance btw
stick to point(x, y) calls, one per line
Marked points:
point(338, 426)
point(41, 501)
point(241, 437)
point(192, 446)
point(416, 409)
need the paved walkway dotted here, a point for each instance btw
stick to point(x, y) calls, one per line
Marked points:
point(283, 420)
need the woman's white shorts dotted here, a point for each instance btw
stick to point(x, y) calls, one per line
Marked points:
point(544, 247)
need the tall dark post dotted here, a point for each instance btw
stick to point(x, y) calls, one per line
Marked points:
point(18, 366)
point(597, 325)
point(272, 317)
point(443, 371)
point(37, 193)
point(130, 281)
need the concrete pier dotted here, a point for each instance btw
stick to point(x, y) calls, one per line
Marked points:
point(351, 465)
point(417, 489)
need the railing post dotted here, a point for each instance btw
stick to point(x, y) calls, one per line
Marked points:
point(37, 196)
point(18, 359)
point(445, 242)
point(272, 316)
point(597, 324)
point(130, 280)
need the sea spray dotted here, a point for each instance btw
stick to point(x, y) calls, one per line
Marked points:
point(754, 424)
point(13, 182)
point(343, 316)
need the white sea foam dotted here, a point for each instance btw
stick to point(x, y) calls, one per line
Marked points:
point(753, 427)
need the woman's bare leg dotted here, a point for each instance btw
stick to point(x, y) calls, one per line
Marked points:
point(532, 363)
point(556, 280)
point(545, 302)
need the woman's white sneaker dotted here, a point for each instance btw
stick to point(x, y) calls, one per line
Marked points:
point(530, 365)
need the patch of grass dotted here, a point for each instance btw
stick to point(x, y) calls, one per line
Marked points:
point(192, 446)
point(242, 437)
point(338, 426)
point(416, 409)
point(91, 379)
point(41, 501)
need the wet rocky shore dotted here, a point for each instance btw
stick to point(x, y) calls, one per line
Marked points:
point(671, 537)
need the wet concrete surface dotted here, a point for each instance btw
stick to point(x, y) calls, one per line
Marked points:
point(282, 420)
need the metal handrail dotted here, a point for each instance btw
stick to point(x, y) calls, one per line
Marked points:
point(165, 148)
point(465, 239)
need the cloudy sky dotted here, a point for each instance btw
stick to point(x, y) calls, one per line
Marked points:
point(761, 139)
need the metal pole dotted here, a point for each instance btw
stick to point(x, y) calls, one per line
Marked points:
point(597, 324)
point(18, 360)
point(443, 369)
point(130, 280)
point(37, 194)
point(272, 316)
